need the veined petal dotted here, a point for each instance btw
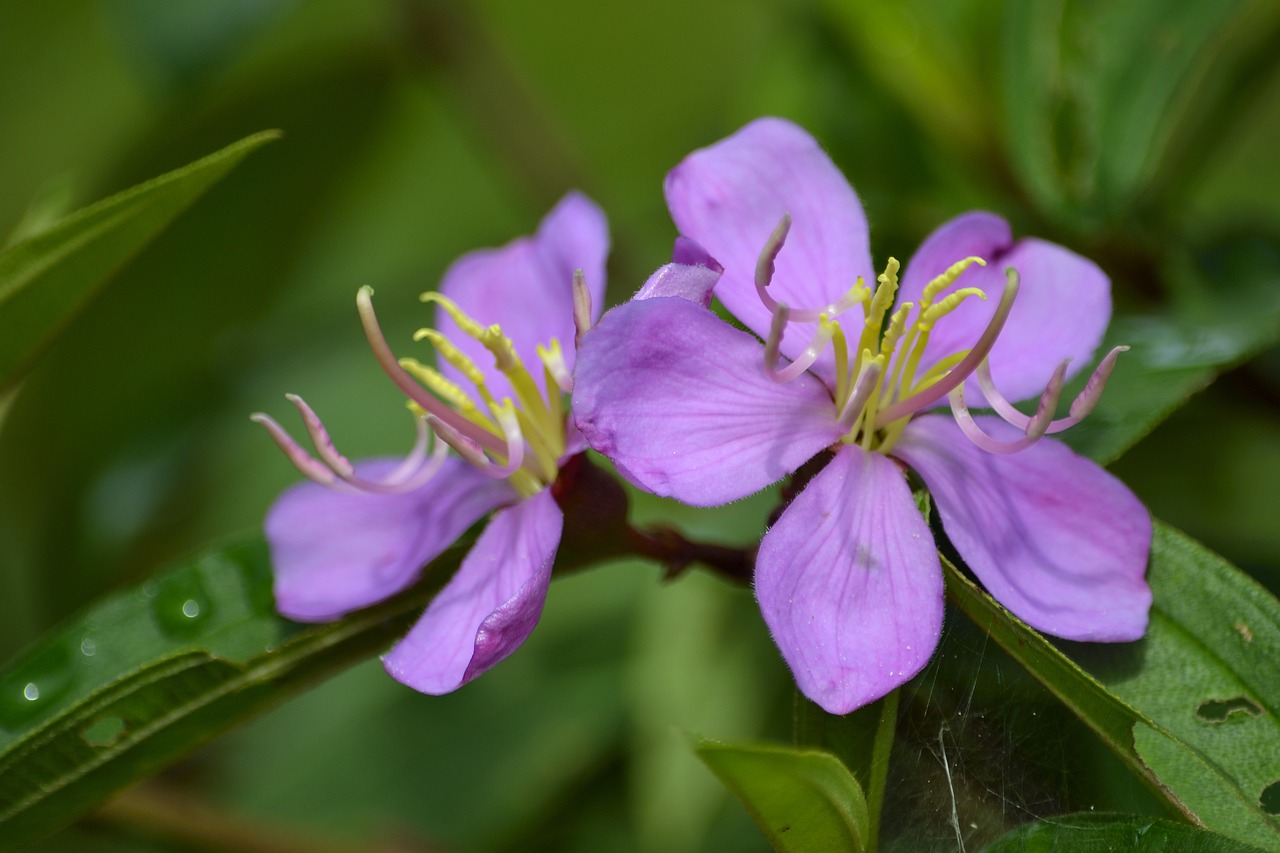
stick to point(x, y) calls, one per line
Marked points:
point(849, 583)
point(333, 552)
point(731, 196)
point(680, 402)
point(526, 287)
point(489, 607)
point(1061, 312)
point(1055, 538)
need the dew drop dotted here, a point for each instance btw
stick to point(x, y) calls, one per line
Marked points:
point(181, 605)
point(88, 647)
point(33, 686)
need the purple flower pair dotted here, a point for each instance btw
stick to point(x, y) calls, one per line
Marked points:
point(687, 406)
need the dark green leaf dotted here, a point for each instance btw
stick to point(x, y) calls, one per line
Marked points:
point(1140, 721)
point(1208, 672)
point(147, 675)
point(1096, 94)
point(47, 277)
point(802, 800)
point(1088, 833)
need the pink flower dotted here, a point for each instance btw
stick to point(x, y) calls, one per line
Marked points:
point(361, 533)
point(848, 579)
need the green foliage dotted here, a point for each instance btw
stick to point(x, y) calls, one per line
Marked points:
point(1148, 703)
point(802, 799)
point(1086, 833)
point(149, 674)
point(48, 276)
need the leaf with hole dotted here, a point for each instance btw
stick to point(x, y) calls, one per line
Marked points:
point(1141, 698)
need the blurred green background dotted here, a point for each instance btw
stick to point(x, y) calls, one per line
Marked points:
point(1142, 135)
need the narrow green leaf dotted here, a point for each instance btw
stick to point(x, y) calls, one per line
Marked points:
point(1214, 779)
point(151, 673)
point(802, 800)
point(47, 277)
point(1098, 95)
point(1090, 832)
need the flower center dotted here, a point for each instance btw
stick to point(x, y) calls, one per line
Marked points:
point(880, 381)
point(529, 426)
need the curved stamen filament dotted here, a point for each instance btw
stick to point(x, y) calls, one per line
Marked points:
point(411, 388)
point(1081, 406)
point(320, 438)
point(333, 469)
point(822, 337)
point(1035, 428)
point(472, 452)
point(308, 466)
point(968, 365)
point(855, 295)
point(581, 307)
point(862, 390)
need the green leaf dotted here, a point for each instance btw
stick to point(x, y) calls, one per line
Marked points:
point(863, 740)
point(47, 277)
point(1090, 832)
point(1147, 719)
point(149, 674)
point(1209, 673)
point(1098, 96)
point(801, 799)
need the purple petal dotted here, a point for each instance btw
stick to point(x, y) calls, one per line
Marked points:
point(731, 196)
point(489, 607)
point(526, 287)
point(850, 584)
point(1062, 308)
point(684, 281)
point(333, 552)
point(680, 402)
point(1058, 540)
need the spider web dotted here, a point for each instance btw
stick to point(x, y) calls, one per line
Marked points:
point(982, 748)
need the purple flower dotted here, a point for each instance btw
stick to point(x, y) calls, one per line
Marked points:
point(848, 579)
point(361, 533)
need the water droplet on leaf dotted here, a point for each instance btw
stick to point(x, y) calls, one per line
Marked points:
point(181, 604)
point(32, 687)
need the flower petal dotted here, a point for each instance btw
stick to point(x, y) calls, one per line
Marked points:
point(1062, 309)
point(333, 552)
point(731, 196)
point(1058, 540)
point(526, 287)
point(489, 607)
point(850, 584)
point(680, 402)
point(685, 281)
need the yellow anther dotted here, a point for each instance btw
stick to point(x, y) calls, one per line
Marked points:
point(897, 325)
point(469, 327)
point(948, 278)
point(951, 302)
point(881, 300)
point(504, 352)
point(438, 385)
point(452, 354)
